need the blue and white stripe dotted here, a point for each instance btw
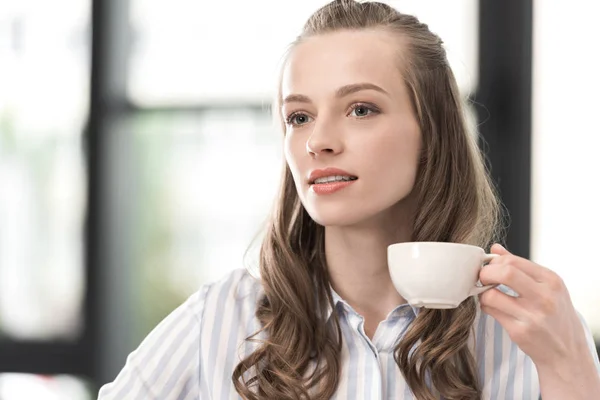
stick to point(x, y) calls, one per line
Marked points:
point(193, 352)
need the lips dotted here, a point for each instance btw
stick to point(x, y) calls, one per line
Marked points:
point(331, 171)
point(329, 187)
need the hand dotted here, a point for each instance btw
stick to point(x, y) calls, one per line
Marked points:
point(541, 320)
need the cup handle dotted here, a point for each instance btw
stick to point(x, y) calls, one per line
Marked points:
point(480, 289)
point(489, 257)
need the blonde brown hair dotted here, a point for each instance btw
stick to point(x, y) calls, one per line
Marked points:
point(456, 203)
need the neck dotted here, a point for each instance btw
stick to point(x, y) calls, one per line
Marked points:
point(357, 265)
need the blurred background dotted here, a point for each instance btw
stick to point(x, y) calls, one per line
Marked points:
point(138, 159)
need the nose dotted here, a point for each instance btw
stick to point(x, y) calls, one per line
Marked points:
point(323, 140)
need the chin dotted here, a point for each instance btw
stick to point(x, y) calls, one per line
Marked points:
point(334, 215)
point(380, 211)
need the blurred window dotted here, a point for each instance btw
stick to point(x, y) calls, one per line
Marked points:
point(186, 51)
point(60, 387)
point(44, 89)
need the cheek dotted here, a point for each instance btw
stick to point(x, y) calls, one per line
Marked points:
point(289, 151)
point(397, 154)
point(286, 151)
point(292, 154)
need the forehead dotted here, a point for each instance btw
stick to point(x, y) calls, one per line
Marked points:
point(321, 64)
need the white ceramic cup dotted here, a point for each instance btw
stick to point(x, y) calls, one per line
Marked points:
point(437, 274)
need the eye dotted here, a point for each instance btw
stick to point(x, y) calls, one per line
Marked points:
point(297, 119)
point(362, 110)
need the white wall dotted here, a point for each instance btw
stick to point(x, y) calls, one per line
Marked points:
point(566, 139)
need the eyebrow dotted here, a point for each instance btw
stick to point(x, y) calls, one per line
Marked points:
point(341, 92)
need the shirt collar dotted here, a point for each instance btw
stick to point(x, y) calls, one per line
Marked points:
point(339, 302)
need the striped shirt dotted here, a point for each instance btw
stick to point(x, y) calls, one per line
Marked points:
point(192, 353)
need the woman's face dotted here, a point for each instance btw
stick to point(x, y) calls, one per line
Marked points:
point(346, 107)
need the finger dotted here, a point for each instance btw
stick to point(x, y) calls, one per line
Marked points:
point(535, 271)
point(499, 251)
point(503, 318)
point(508, 322)
point(495, 301)
point(497, 248)
point(511, 276)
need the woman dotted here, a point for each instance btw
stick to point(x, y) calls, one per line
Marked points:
point(377, 152)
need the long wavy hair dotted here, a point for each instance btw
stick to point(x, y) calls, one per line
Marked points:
point(456, 203)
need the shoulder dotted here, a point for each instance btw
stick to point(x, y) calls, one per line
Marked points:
point(234, 289)
point(167, 362)
point(227, 308)
point(219, 306)
point(228, 319)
